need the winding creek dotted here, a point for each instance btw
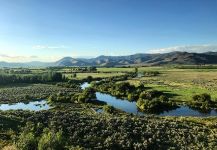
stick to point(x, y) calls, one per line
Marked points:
point(131, 107)
point(121, 104)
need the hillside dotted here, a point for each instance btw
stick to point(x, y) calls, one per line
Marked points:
point(183, 58)
point(149, 59)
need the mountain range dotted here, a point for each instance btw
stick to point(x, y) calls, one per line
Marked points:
point(184, 58)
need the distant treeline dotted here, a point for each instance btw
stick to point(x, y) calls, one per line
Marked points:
point(197, 67)
point(16, 71)
point(33, 78)
point(75, 69)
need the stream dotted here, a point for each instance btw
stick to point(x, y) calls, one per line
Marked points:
point(130, 107)
point(122, 104)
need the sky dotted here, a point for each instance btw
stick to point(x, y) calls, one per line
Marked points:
point(47, 30)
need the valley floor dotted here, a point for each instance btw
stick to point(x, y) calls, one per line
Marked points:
point(74, 121)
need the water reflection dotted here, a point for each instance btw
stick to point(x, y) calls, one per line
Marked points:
point(131, 107)
point(33, 106)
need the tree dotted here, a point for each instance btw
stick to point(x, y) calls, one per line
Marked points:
point(51, 140)
point(150, 94)
point(74, 75)
point(108, 108)
point(89, 79)
point(202, 98)
point(136, 70)
point(91, 69)
point(26, 141)
point(52, 98)
point(87, 95)
point(56, 76)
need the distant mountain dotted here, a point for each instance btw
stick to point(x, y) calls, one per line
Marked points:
point(183, 58)
point(69, 61)
point(141, 59)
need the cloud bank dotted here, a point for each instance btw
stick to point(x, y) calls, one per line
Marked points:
point(13, 58)
point(191, 49)
point(4, 56)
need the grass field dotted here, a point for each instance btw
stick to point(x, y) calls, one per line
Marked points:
point(182, 83)
point(94, 75)
point(132, 69)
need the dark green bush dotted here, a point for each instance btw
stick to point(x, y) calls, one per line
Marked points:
point(202, 98)
point(50, 140)
point(150, 94)
point(108, 109)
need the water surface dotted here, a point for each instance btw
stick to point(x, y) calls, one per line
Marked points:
point(33, 106)
point(130, 107)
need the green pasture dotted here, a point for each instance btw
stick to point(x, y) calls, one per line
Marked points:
point(94, 75)
point(182, 84)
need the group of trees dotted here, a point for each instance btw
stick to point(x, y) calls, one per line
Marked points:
point(154, 102)
point(86, 96)
point(151, 73)
point(122, 89)
point(90, 69)
point(61, 97)
point(202, 101)
point(201, 66)
point(31, 138)
point(83, 69)
point(16, 71)
point(147, 100)
point(32, 78)
point(126, 76)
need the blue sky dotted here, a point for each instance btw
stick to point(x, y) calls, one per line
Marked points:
point(50, 29)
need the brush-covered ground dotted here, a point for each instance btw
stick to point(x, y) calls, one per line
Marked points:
point(82, 129)
point(76, 125)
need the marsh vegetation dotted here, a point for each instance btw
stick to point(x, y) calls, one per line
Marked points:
point(74, 122)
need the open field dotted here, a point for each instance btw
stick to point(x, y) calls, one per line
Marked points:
point(131, 69)
point(182, 83)
point(94, 75)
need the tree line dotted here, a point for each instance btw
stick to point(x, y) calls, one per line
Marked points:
point(33, 78)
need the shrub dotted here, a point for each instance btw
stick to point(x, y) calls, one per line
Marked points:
point(51, 98)
point(51, 140)
point(89, 79)
point(154, 106)
point(151, 73)
point(26, 141)
point(108, 109)
point(132, 96)
point(150, 94)
point(163, 98)
point(202, 98)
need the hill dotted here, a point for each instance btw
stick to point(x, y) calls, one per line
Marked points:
point(183, 58)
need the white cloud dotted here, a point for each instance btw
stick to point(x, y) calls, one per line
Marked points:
point(13, 58)
point(190, 48)
point(39, 47)
point(16, 58)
